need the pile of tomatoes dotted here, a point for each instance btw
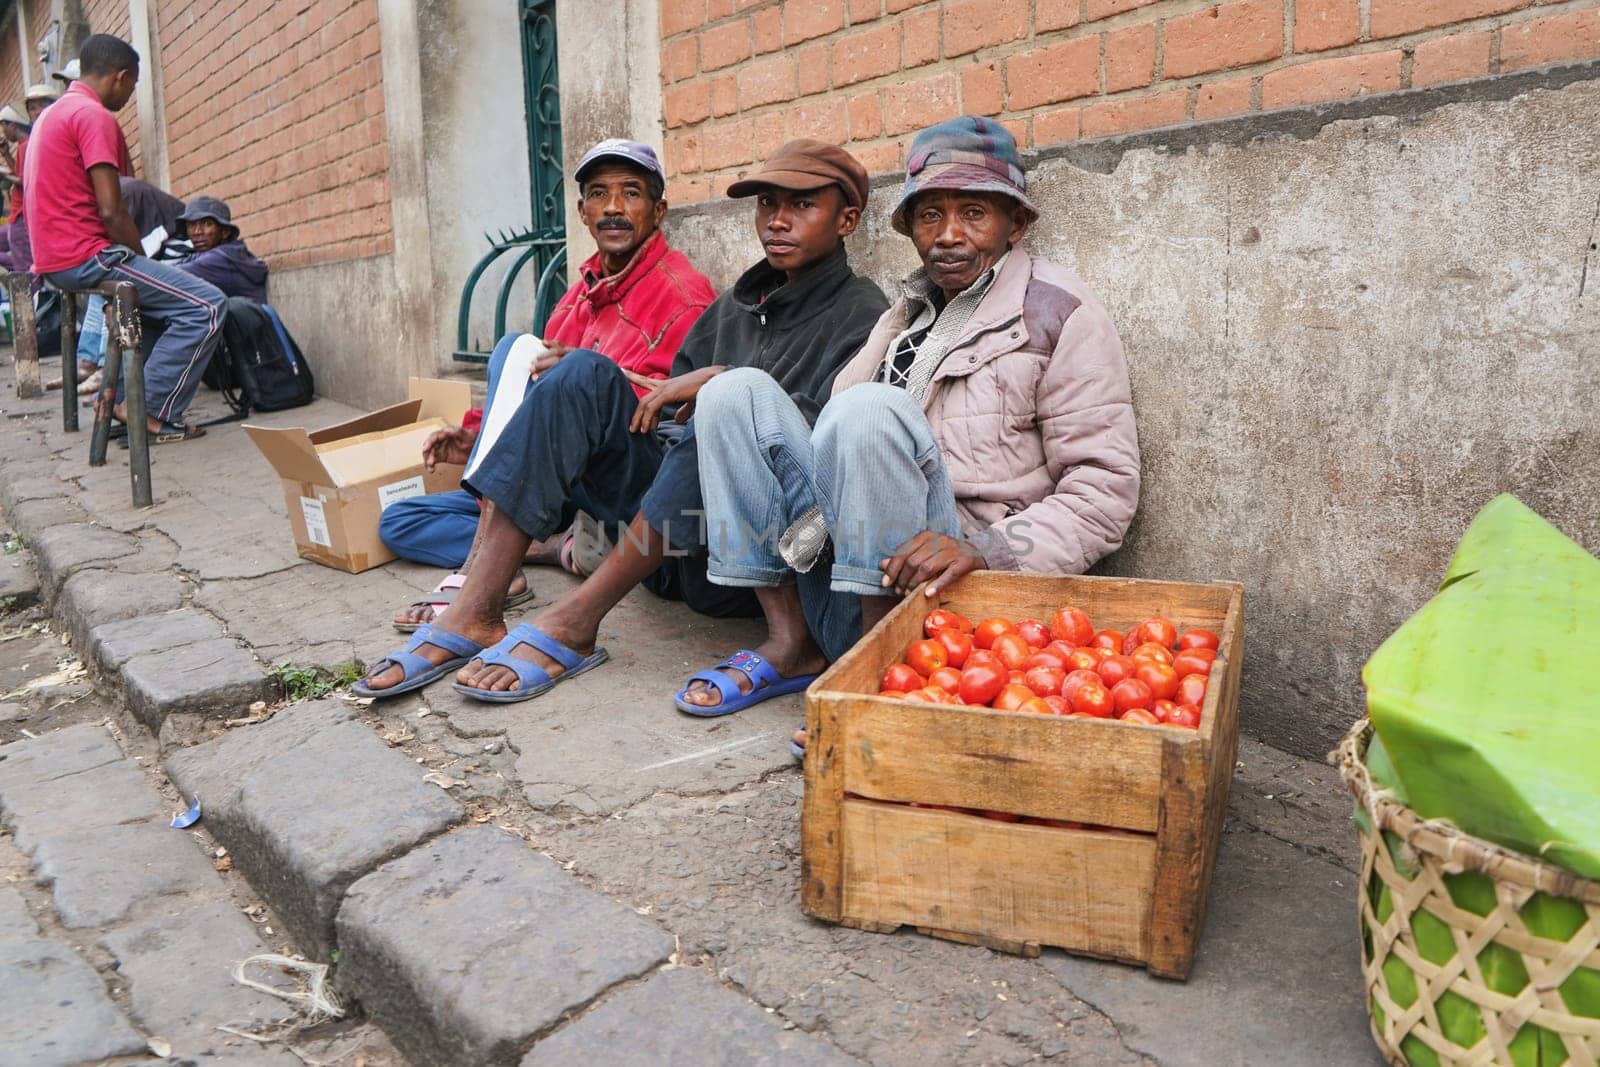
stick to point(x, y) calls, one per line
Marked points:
point(1150, 674)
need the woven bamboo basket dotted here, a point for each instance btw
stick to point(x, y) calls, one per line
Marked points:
point(1461, 946)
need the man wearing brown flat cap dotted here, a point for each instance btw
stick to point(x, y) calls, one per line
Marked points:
point(798, 315)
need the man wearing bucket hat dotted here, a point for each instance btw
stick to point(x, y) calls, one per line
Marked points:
point(798, 314)
point(220, 255)
point(986, 422)
point(37, 98)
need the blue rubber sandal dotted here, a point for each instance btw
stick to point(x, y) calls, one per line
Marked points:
point(765, 680)
point(418, 671)
point(532, 679)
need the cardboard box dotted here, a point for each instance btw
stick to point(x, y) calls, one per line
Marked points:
point(337, 480)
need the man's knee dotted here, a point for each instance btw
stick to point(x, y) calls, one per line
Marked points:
point(733, 391)
point(868, 416)
point(582, 366)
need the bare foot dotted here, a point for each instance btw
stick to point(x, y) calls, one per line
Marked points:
point(420, 613)
point(546, 553)
point(788, 662)
point(799, 738)
point(483, 631)
point(497, 679)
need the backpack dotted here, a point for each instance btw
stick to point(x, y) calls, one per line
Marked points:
point(257, 366)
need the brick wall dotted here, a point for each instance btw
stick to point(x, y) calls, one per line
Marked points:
point(11, 83)
point(278, 109)
point(109, 16)
point(742, 76)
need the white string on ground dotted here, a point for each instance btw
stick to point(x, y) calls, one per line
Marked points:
point(317, 999)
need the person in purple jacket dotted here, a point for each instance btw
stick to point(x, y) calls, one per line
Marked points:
point(220, 255)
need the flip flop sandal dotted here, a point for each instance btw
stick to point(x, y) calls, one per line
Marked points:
point(765, 683)
point(418, 670)
point(797, 750)
point(533, 680)
point(444, 594)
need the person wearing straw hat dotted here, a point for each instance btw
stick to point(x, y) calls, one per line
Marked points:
point(37, 98)
point(986, 423)
point(14, 128)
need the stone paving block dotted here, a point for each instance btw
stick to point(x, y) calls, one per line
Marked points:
point(92, 597)
point(101, 875)
point(15, 922)
point(54, 1008)
point(111, 644)
point(62, 551)
point(101, 796)
point(30, 518)
point(179, 968)
point(466, 948)
point(211, 677)
point(18, 485)
point(682, 1016)
point(216, 769)
point(19, 582)
point(56, 754)
point(306, 824)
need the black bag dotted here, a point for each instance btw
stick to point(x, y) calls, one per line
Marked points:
point(47, 323)
point(258, 367)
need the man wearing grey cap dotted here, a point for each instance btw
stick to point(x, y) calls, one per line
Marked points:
point(220, 255)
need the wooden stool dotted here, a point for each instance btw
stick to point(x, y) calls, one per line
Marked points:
point(124, 339)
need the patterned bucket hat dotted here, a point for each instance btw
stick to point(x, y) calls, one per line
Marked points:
point(969, 153)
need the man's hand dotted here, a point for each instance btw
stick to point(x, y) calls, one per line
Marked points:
point(548, 359)
point(935, 558)
point(450, 445)
point(680, 390)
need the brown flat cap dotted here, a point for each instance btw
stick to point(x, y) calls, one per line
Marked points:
point(808, 164)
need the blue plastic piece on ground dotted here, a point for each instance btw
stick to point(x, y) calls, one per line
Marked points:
point(188, 818)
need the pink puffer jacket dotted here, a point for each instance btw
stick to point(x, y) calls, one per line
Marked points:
point(1032, 411)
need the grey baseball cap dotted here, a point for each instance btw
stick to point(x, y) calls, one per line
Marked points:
point(640, 155)
point(69, 73)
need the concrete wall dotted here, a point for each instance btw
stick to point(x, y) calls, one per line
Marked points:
point(1347, 329)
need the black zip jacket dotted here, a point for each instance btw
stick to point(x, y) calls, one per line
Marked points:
point(800, 332)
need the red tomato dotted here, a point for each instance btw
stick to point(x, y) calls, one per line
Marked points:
point(957, 646)
point(891, 694)
point(1060, 648)
point(1191, 690)
point(946, 678)
point(1191, 662)
point(1045, 658)
point(1037, 706)
point(1199, 639)
point(1076, 681)
point(1083, 659)
point(983, 658)
point(927, 696)
point(1072, 626)
point(1046, 681)
point(986, 631)
point(1059, 705)
point(1185, 715)
point(1138, 715)
point(903, 678)
point(1011, 648)
point(945, 620)
point(981, 683)
point(1101, 654)
point(1012, 697)
point(1111, 639)
point(1159, 629)
point(1131, 693)
point(1015, 677)
point(1163, 709)
point(1093, 699)
point(1162, 679)
point(1115, 669)
point(1034, 632)
point(1132, 640)
point(1151, 650)
point(925, 656)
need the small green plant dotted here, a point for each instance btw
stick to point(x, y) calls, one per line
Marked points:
point(311, 683)
point(13, 544)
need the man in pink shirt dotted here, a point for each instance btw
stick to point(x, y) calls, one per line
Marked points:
point(83, 234)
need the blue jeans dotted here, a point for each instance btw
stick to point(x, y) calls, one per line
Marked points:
point(92, 334)
point(871, 465)
point(188, 309)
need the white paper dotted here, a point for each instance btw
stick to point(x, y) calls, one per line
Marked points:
point(513, 383)
point(401, 490)
point(316, 522)
point(153, 240)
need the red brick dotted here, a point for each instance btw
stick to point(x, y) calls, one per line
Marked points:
point(1575, 35)
point(881, 158)
point(1331, 79)
point(718, 9)
point(678, 16)
point(687, 105)
point(725, 45)
point(1451, 59)
point(919, 38)
point(683, 153)
point(1229, 35)
point(1056, 72)
point(1018, 128)
point(897, 6)
point(1391, 18)
point(767, 81)
point(767, 27)
point(867, 54)
point(1142, 113)
point(1060, 124)
point(687, 191)
point(770, 134)
point(973, 24)
point(864, 11)
point(826, 120)
point(682, 60)
point(866, 117)
point(1323, 24)
point(1101, 9)
point(811, 18)
point(722, 183)
point(981, 91)
point(913, 105)
point(1130, 57)
point(724, 96)
point(1054, 15)
point(728, 144)
point(1218, 99)
point(813, 61)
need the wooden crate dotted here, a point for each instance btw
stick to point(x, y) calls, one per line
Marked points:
point(1134, 888)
